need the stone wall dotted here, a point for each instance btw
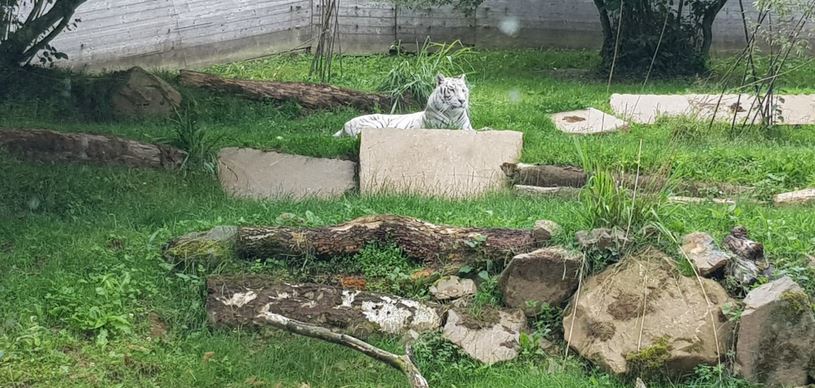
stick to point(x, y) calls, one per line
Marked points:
point(184, 33)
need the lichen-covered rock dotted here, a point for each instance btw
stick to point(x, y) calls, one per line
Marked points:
point(452, 287)
point(492, 338)
point(545, 276)
point(544, 230)
point(236, 301)
point(701, 249)
point(776, 335)
point(641, 316)
point(138, 94)
point(209, 248)
point(601, 239)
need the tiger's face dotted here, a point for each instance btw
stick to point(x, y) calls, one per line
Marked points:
point(453, 91)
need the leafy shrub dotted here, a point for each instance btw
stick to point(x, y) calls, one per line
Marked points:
point(388, 270)
point(102, 314)
point(412, 80)
point(436, 357)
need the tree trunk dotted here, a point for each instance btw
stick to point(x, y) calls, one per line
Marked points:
point(50, 146)
point(421, 241)
point(311, 96)
point(707, 26)
point(22, 44)
point(328, 313)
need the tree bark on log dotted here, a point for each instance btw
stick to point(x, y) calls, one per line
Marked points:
point(421, 241)
point(306, 309)
point(311, 96)
point(570, 176)
point(50, 146)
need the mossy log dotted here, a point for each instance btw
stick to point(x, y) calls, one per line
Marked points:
point(310, 96)
point(421, 241)
point(50, 146)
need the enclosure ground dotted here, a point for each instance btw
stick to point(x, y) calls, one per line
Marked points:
point(79, 245)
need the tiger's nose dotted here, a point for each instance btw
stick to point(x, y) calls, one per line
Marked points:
point(462, 101)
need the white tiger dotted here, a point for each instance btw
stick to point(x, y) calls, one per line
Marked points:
point(447, 108)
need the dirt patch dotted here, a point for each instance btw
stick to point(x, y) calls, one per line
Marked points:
point(574, 119)
point(627, 306)
point(601, 330)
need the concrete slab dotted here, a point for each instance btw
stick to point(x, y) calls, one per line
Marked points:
point(646, 108)
point(433, 162)
point(587, 121)
point(251, 173)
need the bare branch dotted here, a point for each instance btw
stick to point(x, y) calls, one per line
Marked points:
point(402, 363)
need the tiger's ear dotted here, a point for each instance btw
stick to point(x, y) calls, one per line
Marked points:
point(463, 77)
point(439, 79)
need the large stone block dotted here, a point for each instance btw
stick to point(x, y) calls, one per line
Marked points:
point(251, 173)
point(442, 163)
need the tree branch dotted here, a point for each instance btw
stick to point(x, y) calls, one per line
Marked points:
point(402, 363)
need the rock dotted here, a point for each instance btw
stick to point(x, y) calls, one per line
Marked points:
point(776, 335)
point(544, 230)
point(209, 248)
point(601, 239)
point(738, 242)
point(235, 301)
point(545, 276)
point(137, 94)
point(742, 272)
point(703, 253)
point(551, 192)
point(494, 338)
point(640, 316)
point(587, 122)
point(246, 172)
point(800, 197)
point(433, 162)
point(452, 287)
point(548, 347)
point(811, 261)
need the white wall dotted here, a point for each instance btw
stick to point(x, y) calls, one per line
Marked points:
point(183, 33)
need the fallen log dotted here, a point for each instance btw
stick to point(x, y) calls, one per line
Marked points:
point(308, 95)
point(263, 301)
point(50, 146)
point(418, 240)
point(237, 301)
point(570, 176)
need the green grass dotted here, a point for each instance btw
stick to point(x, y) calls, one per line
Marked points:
point(70, 235)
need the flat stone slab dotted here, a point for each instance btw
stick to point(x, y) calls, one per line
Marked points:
point(433, 162)
point(799, 197)
point(587, 122)
point(251, 173)
point(646, 108)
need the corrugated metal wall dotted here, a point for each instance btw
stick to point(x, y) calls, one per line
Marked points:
point(182, 33)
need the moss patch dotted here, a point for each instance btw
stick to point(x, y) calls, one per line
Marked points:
point(649, 360)
point(796, 304)
point(209, 253)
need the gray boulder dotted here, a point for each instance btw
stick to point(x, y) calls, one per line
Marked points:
point(702, 251)
point(545, 276)
point(776, 335)
point(137, 94)
point(544, 230)
point(452, 287)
